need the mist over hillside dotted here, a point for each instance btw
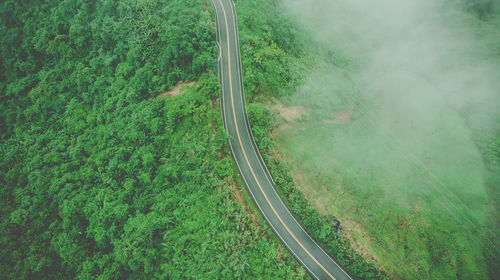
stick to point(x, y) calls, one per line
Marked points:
point(390, 41)
point(420, 80)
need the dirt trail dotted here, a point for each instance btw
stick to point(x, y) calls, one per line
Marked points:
point(291, 113)
point(176, 90)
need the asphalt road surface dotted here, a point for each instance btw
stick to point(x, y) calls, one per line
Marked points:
point(246, 155)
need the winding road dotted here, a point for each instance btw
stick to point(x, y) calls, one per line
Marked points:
point(248, 160)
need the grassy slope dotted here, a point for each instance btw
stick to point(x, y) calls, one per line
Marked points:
point(405, 215)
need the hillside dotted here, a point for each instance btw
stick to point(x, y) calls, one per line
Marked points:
point(394, 130)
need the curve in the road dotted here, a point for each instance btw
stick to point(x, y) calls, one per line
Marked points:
point(248, 160)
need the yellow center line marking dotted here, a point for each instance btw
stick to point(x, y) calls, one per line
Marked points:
point(245, 154)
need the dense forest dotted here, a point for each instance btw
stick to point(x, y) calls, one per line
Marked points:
point(100, 179)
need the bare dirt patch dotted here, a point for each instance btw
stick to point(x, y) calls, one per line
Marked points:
point(291, 113)
point(205, 5)
point(214, 103)
point(343, 116)
point(176, 90)
point(351, 227)
point(214, 131)
point(241, 201)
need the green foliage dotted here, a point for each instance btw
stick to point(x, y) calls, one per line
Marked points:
point(483, 8)
point(98, 179)
point(269, 49)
